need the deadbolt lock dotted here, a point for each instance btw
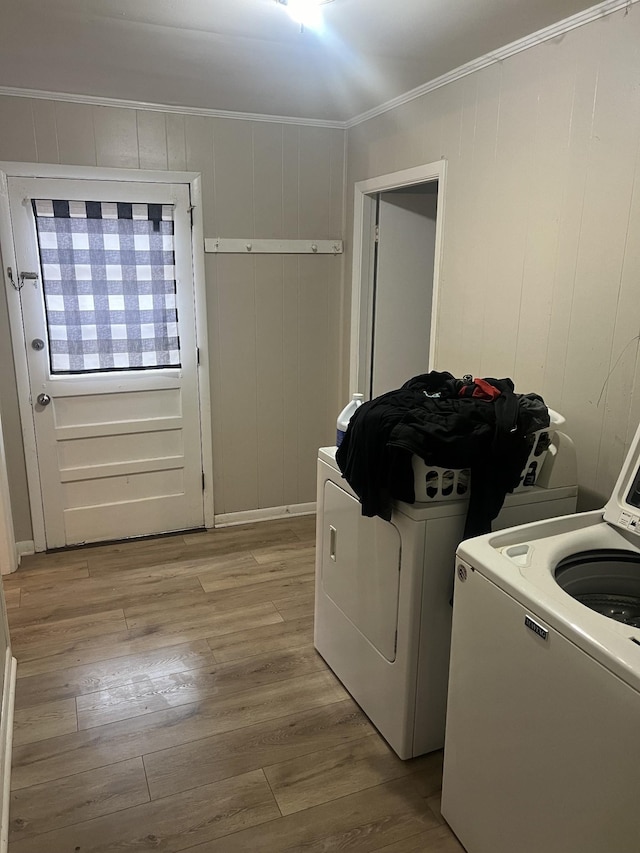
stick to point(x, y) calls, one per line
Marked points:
point(37, 344)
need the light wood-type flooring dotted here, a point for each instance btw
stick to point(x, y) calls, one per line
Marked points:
point(169, 698)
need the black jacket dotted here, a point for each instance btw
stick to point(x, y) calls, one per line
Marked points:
point(447, 430)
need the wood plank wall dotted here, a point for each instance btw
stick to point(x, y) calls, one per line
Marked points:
point(542, 227)
point(274, 321)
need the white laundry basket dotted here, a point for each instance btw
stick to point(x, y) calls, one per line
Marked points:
point(446, 484)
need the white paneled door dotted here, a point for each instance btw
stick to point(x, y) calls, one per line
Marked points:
point(105, 278)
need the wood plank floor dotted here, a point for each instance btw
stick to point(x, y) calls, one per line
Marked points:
point(169, 698)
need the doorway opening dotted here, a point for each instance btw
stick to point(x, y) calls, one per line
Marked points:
point(398, 221)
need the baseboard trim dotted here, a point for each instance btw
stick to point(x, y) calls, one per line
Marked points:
point(271, 513)
point(28, 546)
point(6, 744)
point(22, 550)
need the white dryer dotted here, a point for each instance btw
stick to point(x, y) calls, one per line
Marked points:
point(383, 595)
point(543, 723)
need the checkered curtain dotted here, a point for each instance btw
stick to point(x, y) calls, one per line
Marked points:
point(109, 285)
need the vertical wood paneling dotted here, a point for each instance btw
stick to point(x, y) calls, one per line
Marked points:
point(358, 154)
point(546, 193)
point(290, 349)
point(44, 118)
point(116, 135)
point(315, 187)
point(585, 71)
point(233, 157)
point(238, 382)
point(291, 181)
point(152, 140)
point(410, 130)
point(461, 331)
point(76, 137)
point(625, 367)
point(198, 133)
point(336, 339)
point(334, 403)
point(270, 385)
point(617, 393)
point(383, 143)
point(608, 194)
point(460, 353)
point(312, 380)
point(267, 180)
point(451, 125)
point(17, 139)
point(336, 191)
point(435, 108)
point(507, 211)
point(215, 379)
point(176, 142)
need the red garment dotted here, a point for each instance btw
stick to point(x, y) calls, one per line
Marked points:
point(480, 389)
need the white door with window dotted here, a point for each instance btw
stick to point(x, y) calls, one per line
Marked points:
point(105, 279)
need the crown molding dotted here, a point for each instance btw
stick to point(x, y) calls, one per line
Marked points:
point(94, 101)
point(596, 12)
point(548, 33)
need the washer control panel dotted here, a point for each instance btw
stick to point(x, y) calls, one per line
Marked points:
point(623, 507)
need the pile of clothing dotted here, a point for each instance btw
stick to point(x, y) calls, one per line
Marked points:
point(479, 424)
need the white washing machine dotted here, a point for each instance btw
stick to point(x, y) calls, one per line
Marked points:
point(383, 593)
point(543, 724)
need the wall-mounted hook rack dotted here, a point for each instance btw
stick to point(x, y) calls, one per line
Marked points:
point(222, 245)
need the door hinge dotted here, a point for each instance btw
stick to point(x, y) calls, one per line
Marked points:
point(191, 209)
point(198, 356)
point(203, 481)
point(376, 234)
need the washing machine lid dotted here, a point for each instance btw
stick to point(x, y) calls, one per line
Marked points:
point(623, 507)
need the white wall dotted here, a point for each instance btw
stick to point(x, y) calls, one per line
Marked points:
point(542, 226)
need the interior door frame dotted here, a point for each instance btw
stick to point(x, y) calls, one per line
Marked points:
point(8, 552)
point(364, 220)
point(19, 343)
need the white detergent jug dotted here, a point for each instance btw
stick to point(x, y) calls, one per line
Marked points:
point(345, 416)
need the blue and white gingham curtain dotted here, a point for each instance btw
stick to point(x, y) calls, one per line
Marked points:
point(108, 272)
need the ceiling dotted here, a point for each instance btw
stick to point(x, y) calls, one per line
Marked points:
point(249, 56)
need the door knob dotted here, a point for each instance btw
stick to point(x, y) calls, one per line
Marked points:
point(43, 399)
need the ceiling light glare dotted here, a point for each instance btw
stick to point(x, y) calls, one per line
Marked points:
point(307, 13)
